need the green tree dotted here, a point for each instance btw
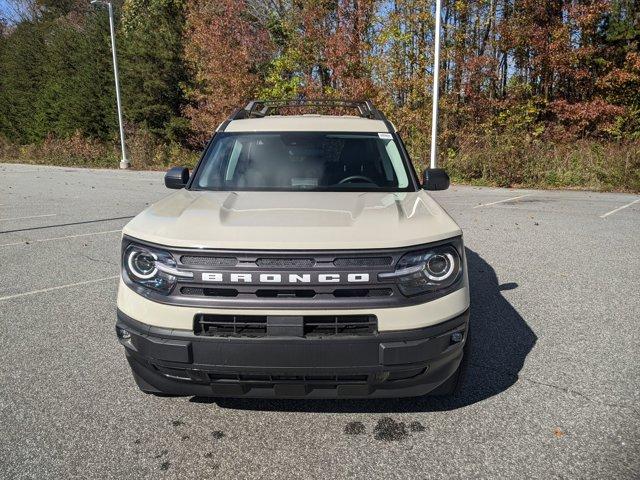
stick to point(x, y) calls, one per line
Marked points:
point(153, 71)
point(55, 77)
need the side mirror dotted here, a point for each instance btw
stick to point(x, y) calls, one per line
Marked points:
point(435, 179)
point(176, 178)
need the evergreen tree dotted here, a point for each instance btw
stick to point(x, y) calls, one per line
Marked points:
point(153, 71)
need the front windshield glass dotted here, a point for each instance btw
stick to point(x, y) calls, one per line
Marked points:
point(294, 161)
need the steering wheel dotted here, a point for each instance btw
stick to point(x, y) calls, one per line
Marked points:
point(356, 177)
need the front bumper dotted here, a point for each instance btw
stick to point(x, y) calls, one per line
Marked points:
point(387, 364)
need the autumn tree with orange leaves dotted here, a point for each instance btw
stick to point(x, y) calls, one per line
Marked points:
point(228, 51)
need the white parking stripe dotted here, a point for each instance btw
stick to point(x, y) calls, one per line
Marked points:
point(58, 238)
point(619, 208)
point(59, 287)
point(154, 179)
point(25, 218)
point(504, 200)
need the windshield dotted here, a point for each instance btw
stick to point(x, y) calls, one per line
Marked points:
point(295, 161)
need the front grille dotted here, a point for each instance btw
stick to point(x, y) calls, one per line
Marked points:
point(214, 325)
point(319, 280)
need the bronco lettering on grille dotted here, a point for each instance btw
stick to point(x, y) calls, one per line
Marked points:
point(223, 277)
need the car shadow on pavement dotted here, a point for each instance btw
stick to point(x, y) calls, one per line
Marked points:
point(500, 342)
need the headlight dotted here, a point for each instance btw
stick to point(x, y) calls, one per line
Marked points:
point(152, 268)
point(426, 271)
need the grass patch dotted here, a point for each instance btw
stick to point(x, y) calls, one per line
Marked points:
point(511, 161)
point(504, 161)
point(144, 153)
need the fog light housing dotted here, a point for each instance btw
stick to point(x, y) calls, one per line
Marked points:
point(379, 377)
point(457, 337)
point(122, 333)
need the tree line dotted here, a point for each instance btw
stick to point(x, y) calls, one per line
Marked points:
point(515, 75)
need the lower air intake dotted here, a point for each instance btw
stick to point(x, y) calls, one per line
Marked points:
point(211, 325)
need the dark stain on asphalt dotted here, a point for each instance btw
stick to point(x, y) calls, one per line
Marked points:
point(217, 434)
point(137, 441)
point(177, 423)
point(416, 426)
point(162, 453)
point(529, 200)
point(209, 455)
point(388, 430)
point(165, 465)
point(185, 437)
point(354, 428)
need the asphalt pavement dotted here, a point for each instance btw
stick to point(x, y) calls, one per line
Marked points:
point(553, 390)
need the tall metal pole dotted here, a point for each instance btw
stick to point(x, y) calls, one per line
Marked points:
point(436, 93)
point(124, 162)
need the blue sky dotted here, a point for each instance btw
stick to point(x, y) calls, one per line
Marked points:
point(6, 11)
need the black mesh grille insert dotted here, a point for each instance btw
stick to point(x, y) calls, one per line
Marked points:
point(363, 261)
point(230, 325)
point(362, 292)
point(271, 378)
point(208, 261)
point(331, 325)
point(257, 325)
point(286, 262)
point(209, 292)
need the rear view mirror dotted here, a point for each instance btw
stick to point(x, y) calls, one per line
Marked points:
point(435, 179)
point(176, 178)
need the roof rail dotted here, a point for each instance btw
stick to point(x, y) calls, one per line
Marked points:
point(262, 108)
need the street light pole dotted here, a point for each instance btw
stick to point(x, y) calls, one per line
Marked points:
point(436, 92)
point(124, 162)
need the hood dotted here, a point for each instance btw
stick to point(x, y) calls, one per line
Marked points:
point(293, 220)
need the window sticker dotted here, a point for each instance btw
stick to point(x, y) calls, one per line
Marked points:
point(385, 136)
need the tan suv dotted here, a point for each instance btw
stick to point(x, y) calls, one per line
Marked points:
point(302, 258)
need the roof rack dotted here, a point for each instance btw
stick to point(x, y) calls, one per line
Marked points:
point(262, 108)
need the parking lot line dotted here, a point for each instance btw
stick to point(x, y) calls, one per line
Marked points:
point(66, 224)
point(25, 218)
point(619, 208)
point(132, 179)
point(59, 287)
point(504, 200)
point(51, 239)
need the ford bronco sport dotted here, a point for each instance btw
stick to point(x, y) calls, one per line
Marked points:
point(302, 258)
